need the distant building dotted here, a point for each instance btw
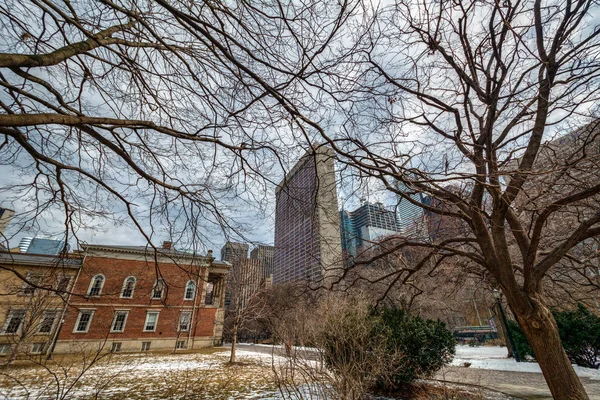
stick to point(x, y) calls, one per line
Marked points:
point(307, 222)
point(24, 244)
point(234, 252)
point(266, 257)
point(5, 217)
point(49, 247)
point(411, 216)
point(244, 283)
point(365, 225)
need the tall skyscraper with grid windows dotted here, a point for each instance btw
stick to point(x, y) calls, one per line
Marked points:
point(366, 225)
point(307, 225)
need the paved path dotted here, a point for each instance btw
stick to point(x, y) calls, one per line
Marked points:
point(526, 385)
point(306, 353)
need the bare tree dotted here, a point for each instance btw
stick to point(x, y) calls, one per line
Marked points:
point(455, 100)
point(245, 301)
point(450, 99)
point(152, 112)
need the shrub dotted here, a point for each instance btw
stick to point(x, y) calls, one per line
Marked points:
point(580, 334)
point(353, 344)
point(521, 343)
point(578, 331)
point(425, 345)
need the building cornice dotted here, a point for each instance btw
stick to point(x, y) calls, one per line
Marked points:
point(150, 254)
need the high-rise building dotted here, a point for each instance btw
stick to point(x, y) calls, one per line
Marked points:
point(411, 216)
point(307, 222)
point(234, 252)
point(366, 224)
point(5, 217)
point(266, 257)
point(46, 246)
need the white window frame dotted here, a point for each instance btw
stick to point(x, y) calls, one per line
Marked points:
point(146, 346)
point(189, 321)
point(155, 322)
point(92, 284)
point(9, 317)
point(42, 347)
point(87, 328)
point(116, 347)
point(117, 313)
point(44, 314)
point(183, 346)
point(185, 293)
point(157, 283)
point(4, 349)
point(125, 286)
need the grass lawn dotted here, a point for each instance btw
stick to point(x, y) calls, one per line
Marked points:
point(204, 374)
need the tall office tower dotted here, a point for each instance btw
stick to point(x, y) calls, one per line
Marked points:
point(265, 255)
point(365, 225)
point(5, 217)
point(234, 252)
point(411, 217)
point(307, 222)
point(348, 235)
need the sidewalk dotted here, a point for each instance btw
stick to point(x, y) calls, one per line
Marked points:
point(490, 368)
point(526, 385)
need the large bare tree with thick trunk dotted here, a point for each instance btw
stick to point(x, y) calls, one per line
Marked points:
point(456, 100)
point(171, 107)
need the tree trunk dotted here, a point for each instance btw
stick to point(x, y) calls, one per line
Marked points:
point(542, 334)
point(233, 343)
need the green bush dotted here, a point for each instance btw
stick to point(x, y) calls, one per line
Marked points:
point(425, 345)
point(579, 332)
point(521, 343)
point(391, 346)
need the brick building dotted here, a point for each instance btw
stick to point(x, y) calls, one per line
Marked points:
point(131, 299)
point(33, 296)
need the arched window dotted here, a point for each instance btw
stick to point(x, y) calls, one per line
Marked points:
point(96, 285)
point(158, 289)
point(190, 290)
point(128, 286)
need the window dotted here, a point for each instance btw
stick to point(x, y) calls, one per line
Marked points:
point(62, 284)
point(119, 320)
point(146, 346)
point(116, 347)
point(4, 349)
point(47, 322)
point(38, 348)
point(181, 344)
point(128, 286)
point(184, 321)
point(151, 320)
point(83, 320)
point(33, 280)
point(14, 321)
point(190, 290)
point(96, 285)
point(158, 289)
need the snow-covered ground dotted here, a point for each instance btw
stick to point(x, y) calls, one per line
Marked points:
point(495, 357)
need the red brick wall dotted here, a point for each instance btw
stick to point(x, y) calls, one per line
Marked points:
point(115, 272)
